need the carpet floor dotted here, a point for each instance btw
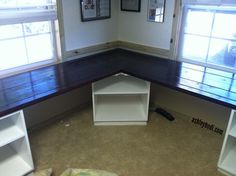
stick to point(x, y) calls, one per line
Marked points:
point(161, 148)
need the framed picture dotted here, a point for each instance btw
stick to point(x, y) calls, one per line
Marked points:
point(130, 5)
point(156, 10)
point(95, 9)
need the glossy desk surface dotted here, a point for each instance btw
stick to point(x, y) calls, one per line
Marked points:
point(22, 90)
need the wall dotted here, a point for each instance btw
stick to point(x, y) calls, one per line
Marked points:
point(190, 106)
point(79, 34)
point(120, 26)
point(41, 112)
point(134, 27)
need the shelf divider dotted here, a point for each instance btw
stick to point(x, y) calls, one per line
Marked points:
point(11, 164)
point(9, 132)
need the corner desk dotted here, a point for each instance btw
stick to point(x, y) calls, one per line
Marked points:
point(28, 88)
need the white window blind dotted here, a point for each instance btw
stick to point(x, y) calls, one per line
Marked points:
point(26, 12)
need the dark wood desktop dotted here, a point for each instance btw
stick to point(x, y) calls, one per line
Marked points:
point(25, 89)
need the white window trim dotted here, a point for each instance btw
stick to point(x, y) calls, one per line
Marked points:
point(28, 16)
point(28, 67)
point(179, 44)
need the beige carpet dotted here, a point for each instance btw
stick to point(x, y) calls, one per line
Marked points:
point(161, 148)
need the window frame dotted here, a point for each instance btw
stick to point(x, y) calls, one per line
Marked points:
point(53, 22)
point(225, 9)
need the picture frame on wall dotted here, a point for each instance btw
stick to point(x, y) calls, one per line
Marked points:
point(95, 9)
point(156, 10)
point(130, 5)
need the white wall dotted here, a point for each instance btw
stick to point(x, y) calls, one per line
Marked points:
point(79, 34)
point(126, 26)
point(134, 27)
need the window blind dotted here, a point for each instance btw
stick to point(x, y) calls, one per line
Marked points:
point(30, 13)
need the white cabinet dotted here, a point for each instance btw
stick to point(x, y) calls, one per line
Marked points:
point(120, 100)
point(227, 161)
point(15, 153)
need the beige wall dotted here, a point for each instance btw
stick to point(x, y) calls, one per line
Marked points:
point(190, 106)
point(78, 34)
point(134, 27)
point(41, 112)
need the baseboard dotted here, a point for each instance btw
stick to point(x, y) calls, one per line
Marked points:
point(82, 52)
point(144, 49)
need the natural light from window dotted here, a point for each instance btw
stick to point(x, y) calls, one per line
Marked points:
point(209, 36)
point(28, 36)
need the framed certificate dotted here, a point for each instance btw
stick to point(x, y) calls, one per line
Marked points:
point(95, 9)
point(130, 5)
point(156, 10)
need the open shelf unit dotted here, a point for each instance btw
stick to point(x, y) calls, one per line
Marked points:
point(121, 84)
point(9, 132)
point(15, 153)
point(120, 100)
point(227, 161)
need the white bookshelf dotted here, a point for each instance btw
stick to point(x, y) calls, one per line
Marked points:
point(227, 161)
point(120, 100)
point(9, 132)
point(15, 153)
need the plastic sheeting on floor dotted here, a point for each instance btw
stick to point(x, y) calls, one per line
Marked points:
point(76, 172)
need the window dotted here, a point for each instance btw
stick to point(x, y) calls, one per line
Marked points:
point(27, 33)
point(208, 36)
